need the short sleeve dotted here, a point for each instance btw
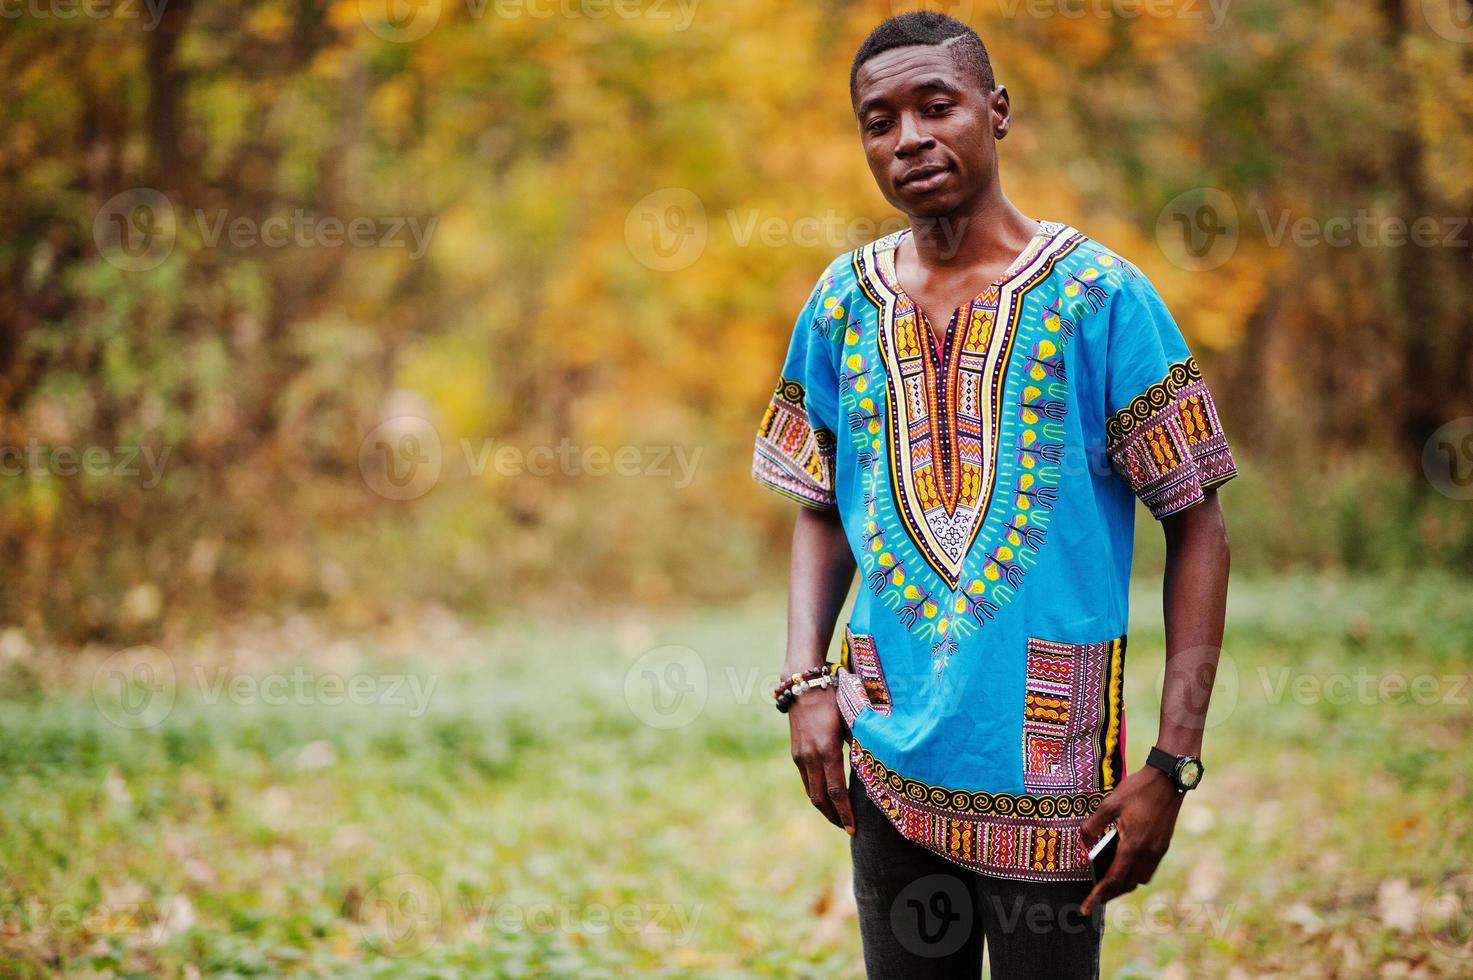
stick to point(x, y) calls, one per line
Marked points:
point(794, 453)
point(1162, 432)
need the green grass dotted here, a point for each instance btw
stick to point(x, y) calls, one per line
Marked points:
point(527, 818)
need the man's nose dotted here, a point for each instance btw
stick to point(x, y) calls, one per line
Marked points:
point(913, 136)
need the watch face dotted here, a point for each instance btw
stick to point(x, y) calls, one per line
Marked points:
point(1190, 773)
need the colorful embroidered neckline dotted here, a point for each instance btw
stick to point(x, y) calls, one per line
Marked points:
point(947, 411)
point(889, 248)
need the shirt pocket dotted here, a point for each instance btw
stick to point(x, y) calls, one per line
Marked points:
point(1073, 716)
point(862, 684)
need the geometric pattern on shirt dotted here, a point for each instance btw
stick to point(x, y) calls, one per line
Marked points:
point(1169, 442)
point(860, 678)
point(791, 456)
point(860, 657)
point(946, 418)
point(1009, 535)
point(1020, 836)
point(1071, 716)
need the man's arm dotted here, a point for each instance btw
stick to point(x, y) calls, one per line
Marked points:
point(821, 572)
point(1145, 805)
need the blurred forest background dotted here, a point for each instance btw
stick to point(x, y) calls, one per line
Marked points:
point(414, 349)
point(615, 223)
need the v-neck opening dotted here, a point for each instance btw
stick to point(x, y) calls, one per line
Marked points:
point(943, 353)
point(941, 347)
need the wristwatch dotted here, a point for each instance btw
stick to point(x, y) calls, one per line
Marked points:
point(1185, 770)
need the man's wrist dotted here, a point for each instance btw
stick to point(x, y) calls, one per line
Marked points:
point(1183, 772)
point(797, 662)
point(814, 678)
point(1180, 740)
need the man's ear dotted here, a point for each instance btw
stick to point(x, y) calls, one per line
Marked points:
point(1001, 111)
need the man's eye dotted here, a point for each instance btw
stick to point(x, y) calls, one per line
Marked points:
point(939, 106)
point(877, 126)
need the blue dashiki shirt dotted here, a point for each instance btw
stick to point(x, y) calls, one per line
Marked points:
point(987, 487)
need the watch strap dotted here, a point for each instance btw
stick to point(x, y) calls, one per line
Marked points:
point(1163, 760)
point(1169, 764)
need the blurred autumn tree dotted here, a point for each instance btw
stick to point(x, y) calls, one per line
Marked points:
point(526, 149)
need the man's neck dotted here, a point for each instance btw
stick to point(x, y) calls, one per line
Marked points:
point(992, 232)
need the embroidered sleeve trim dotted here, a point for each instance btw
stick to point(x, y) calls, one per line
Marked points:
point(791, 456)
point(1169, 443)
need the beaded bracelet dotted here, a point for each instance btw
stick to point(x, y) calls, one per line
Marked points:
point(809, 674)
point(787, 692)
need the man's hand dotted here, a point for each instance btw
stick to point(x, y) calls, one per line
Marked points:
point(822, 571)
point(817, 731)
point(1143, 808)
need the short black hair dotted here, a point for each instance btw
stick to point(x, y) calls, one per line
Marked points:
point(926, 27)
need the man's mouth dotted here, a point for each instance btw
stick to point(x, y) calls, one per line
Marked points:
point(924, 178)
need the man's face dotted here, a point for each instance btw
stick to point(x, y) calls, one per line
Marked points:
point(928, 129)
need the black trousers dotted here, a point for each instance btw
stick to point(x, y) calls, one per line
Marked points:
point(921, 915)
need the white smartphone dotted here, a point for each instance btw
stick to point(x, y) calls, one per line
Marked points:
point(1102, 855)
